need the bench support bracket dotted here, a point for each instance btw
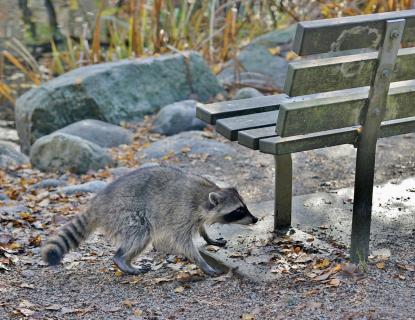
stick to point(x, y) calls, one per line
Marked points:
point(366, 144)
point(283, 191)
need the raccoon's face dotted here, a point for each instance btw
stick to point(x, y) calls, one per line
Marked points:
point(228, 207)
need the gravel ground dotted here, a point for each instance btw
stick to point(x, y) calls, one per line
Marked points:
point(87, 285)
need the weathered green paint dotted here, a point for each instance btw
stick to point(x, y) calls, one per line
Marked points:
point(345, 110)
point(229, 127)
point(310, 76)
point(278, 145)
point(348, 33)
point(210, 113)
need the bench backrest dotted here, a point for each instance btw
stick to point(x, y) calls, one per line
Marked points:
point(333, 88)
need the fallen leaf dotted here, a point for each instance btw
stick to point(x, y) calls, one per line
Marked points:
point(212, 248)
point(291, 55)
point(129, 303)
point(322, 264)
point(235, 255)
point(179, 289)
point(349, 268)
point(382, 254)
point(54, 307)
point(118, 273)
point(297, 250)
point(380, 265)
point(334, 282)
point(26, 312)
point(248, 316)
point(275, 51)
point(323, 276)
point(110, 309)
point(26, 285)
point(138, 312)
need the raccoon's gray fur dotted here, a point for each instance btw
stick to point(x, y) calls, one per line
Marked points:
point(157, 204)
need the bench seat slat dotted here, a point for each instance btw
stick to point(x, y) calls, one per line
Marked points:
point(310, 76)
point(210, 113)
point(250, 138)
point(229, 127)
point(278, 145)
point(348, 33)
point(344, 110)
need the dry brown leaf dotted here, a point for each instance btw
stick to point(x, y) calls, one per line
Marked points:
point(323, 276)
point(275, 51)
point(291, 56)
point(380, 265)
point(138, 312)
point(212, 248)
point(179, 289)
point(334, 282)
point(322, 264)
point(248, 316)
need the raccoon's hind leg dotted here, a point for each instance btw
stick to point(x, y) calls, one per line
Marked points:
point(128, 251)
point(218, 242)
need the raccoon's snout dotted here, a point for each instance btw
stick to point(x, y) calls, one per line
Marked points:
point(254, 219)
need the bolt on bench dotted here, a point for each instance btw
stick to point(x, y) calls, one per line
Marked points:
point(339, 93)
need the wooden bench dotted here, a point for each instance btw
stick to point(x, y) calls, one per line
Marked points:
point(339, 92)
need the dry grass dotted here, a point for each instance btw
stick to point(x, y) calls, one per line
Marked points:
point(215, 28)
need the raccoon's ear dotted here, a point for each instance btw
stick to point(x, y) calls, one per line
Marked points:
point(214, 198)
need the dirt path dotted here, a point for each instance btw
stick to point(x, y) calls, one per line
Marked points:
point(87, 285)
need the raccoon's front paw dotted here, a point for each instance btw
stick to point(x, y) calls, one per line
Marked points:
point(219, 242)
point(144, 268)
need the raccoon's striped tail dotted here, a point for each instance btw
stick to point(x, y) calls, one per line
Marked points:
point(68, 237)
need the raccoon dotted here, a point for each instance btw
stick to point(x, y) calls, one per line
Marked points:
point(160, 204)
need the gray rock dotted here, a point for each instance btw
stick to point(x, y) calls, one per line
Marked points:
point(10, 156)
point(3, 197)
point(61, 152)
point(104, 134)
point(49, 183)
point(112, 92)
point(92, 186)
point(261, 67)
point(246, 93)
point(178, 117)
point(193, 140)
point(120, 171)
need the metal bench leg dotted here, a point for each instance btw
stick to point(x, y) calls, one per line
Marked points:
point(283, 191)
point(362, 205)
point(366, 152)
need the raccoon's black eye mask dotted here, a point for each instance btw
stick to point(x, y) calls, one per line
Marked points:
point(235, 215)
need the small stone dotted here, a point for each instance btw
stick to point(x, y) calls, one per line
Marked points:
point(92, 186)
point(246, 93)
point(10, 155)
point(178, 117)
point(194, 140)
point(49, 183)
point(104, 134)
point(61, 152)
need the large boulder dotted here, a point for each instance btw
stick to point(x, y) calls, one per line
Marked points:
point(104, 134)
point(112, 92)
point(10, 155)
point(260, 65)
point(60, 152)
point(178, 117)
point(189, 142)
